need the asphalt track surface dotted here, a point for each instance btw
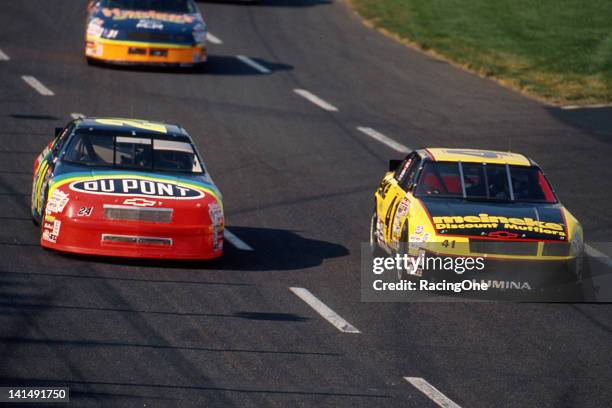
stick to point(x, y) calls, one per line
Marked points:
point(297, 183)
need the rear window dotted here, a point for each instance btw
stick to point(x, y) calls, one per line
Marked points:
point(137, 153)
point(484, 182)
point(165, 6)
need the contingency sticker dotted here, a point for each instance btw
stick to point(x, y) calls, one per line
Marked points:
point(51, 231)
point(57, 202)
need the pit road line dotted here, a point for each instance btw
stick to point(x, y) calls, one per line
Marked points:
point(213, 39)
point(432, 392)
point(325, 312)
point(387, 141)
point(37, 85)
point(236, 242)
point(253, 64)
point(316, 100)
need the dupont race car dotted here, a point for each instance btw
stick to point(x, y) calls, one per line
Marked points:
point(477, 203)
point(166, 32)
point(126, 188)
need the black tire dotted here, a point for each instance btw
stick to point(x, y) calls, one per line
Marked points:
point(404, 244)
point(374, 248)
point(39, 220)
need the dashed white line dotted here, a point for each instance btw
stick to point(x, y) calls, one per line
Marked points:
point(324, 311)
point(253, 64)
point(37, 85)
point(594, 253)
point(384, 139)
point(213, 39)
point(432, 392)
point(3, 56)
point(76, 115)
point(316, 100)
point(236, 242)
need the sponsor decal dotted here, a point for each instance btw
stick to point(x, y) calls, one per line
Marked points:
point(150, 24)
point(418, 229)
point(216, 217)
point(119, 14)
point(509, 225)
point(57, 202)
point(94, 30)
point(140, 124)
point(136, 186)
point(485, 154)
point(404, 169)
point(169, 187)
point(140, 202)
point(216, 213)
point(400, 213)
point(56, 227)
point(48, 237)
point(51, 231)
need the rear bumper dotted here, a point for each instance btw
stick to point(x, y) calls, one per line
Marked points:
point(134, 239)
point(124, 52)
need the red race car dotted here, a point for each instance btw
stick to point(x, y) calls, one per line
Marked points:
point(126, 188)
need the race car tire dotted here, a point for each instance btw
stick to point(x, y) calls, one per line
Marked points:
point(199, 68)
point(402, 274)
point(374, 248)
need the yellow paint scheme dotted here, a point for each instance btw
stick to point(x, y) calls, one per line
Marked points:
point(421, 234)
point(479, 156)
point(117, 51)
point(139, 124)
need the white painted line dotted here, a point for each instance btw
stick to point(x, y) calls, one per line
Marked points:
point(39, 87)
point(213, 39)
point(432, 392)
point(316, 100)
point(384, 139)
point(253, 64)
point(598, 105)
point(236, 242)
point(324, 311)
point(76, 115)
point(594, 253)
point(3, 56)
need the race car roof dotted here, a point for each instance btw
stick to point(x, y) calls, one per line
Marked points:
point(131, 125)
point(476, 156)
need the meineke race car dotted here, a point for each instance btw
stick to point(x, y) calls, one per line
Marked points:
point(161, 32)
point(478, 203)
point(126, 188)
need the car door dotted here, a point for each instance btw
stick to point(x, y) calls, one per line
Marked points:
point(401, 203)
point(390, 195)
point(43, 169)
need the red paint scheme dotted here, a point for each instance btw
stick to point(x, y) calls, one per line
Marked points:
point(191, 230)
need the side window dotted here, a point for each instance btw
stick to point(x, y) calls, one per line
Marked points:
point(61, 140)
point(407, 171)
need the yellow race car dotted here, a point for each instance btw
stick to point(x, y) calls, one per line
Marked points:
point(476, 203)
point(159, 32)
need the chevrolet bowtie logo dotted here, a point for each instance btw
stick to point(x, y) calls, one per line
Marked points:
point(140, 202)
